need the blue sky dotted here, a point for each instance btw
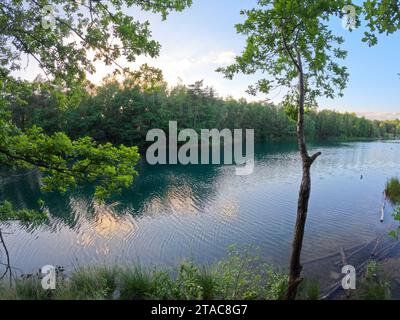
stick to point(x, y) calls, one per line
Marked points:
point(200, 39)
point(203, 37)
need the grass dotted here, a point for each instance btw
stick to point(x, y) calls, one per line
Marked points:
point(138, 284)
point(95, 283)
point(309, 290)
point(240, 276)
point(373, 285)
point(393, 190)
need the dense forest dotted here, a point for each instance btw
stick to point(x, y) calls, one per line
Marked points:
point(122, 112)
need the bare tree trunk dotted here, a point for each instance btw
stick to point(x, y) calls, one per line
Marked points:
point(8, 262)
point(304, 193)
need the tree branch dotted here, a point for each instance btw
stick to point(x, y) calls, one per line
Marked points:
point(288, 50)
point(8, 261)
point(314, 157)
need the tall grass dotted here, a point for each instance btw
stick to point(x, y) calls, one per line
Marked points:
point(372, 285)
point(393, 190)
point(240, 276)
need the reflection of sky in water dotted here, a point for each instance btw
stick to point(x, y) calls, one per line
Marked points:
point(174, 212)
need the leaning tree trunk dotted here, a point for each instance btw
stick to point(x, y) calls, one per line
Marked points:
point(304, 194)
point(7, 264)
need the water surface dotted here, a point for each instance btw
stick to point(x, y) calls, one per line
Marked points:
point(175, 212)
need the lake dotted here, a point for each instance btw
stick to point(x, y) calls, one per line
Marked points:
point(175, 212)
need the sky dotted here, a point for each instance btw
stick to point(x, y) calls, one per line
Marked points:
point(202, 38)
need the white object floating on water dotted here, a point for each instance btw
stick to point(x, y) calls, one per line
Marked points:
point(383, 208)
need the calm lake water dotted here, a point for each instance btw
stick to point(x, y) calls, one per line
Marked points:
point(175, 212)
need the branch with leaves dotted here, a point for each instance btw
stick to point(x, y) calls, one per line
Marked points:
point(62, 51)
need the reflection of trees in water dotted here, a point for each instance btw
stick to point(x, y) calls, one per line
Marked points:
point(176, 187)
point(159, 190)
point(163, 189)
point(172, 188)
point(22, 187)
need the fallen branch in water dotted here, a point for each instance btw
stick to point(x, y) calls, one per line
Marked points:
point(359, 269)
point(334, 254)
point(383, 207)
point(343, 255)
point(358, 249)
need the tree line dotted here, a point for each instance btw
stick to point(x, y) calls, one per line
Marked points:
point(123, 111)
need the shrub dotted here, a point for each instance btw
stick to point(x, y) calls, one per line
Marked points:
point(245, 276)
point(372, 286)
point(393, 190)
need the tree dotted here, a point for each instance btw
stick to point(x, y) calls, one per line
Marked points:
point(384, 17)
point(290, 41)
point(61, 48)
point(60, 35)
point(381, 17)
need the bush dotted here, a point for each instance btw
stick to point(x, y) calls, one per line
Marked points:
point(245, 276)
point(393, 190)
point(372, 286)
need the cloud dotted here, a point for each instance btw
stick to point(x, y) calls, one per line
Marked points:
point(380, 115)
point(176, 66)
point(225, 58)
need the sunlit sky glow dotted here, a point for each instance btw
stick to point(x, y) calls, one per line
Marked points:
point(200, 39)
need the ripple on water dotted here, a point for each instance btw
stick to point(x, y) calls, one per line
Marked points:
point(198, 211)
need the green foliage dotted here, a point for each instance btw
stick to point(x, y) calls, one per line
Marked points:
point(286, 37)
point(241, 276)
point(137, 284)
point(290, 109)
point(372, 286)
point(188, 287)
point(9, 213)
point(208, 282)
point(392, 190)
point(29, 288)
point(122, 112)
point(66, 163)
point(396, 216)
point(309, 290)
point(244, 276)
point(58, 35)
point(91, 283)
point(147, 79)
point(191, 282)
point(61, 50)
point(381, 17)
